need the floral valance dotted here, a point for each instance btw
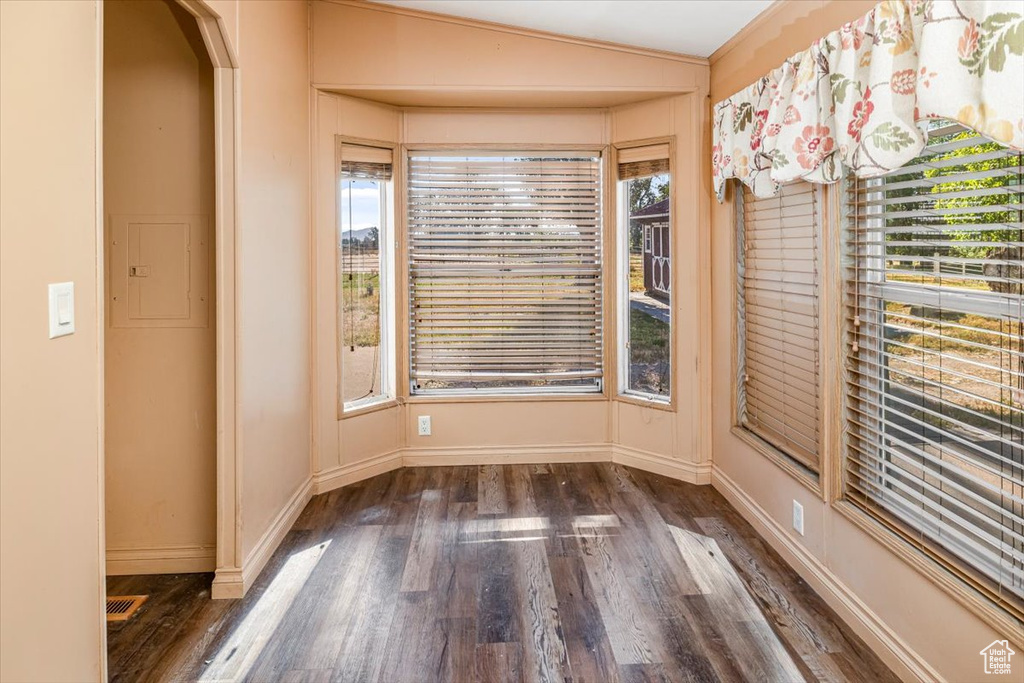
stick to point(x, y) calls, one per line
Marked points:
point(853, 100)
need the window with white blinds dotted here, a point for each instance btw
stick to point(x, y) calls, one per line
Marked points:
point(936, 357)
point(505, 272)
point(777, 300)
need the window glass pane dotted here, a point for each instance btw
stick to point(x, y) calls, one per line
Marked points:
point(361, 218)
point(937, 388)
point(649, 285)
point(505, 272)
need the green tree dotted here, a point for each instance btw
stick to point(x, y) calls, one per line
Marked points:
point(988, 156)
point(642, 193)
point(936, 226)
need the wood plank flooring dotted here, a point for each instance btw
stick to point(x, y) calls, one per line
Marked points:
point(583, 572)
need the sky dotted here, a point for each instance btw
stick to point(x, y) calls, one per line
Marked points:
point(364, 199)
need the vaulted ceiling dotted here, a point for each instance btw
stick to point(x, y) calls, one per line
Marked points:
point(693, 27)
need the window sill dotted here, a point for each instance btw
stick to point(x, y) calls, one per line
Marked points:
point(507, 398)
point(810, 481)
point(359, 411)
point(1006, 624)
point(667, 406)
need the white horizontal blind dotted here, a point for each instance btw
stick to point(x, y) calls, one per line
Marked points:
point(936, 359)
point(505, 272)
point(778, 304)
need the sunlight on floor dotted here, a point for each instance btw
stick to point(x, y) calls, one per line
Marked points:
point(508, 540)
point(506, 530)
point(716, 579)
point(508, 525)
point(234, 659)
point(595, 521)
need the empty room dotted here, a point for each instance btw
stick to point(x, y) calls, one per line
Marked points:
point(589, 341)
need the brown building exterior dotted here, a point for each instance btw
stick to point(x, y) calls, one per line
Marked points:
point(654, 222)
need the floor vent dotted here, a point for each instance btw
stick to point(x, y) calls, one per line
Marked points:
point(122, 607)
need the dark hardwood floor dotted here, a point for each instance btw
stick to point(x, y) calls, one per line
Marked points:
point(586, 572)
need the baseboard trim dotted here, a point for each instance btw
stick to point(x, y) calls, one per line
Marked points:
point(693, 473)
point(171, 559)
point(428, 456)
point(336, 477)
point(227, 584)
point(505, 455)
point(885, 642)
point(233, 582)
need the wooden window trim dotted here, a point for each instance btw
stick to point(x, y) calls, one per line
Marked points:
point(780, 459)
point(954, 583)
point(390, 397)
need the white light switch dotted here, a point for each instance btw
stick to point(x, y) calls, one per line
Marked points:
point(62, 309)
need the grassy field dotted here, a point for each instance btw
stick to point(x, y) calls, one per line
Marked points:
point(649, 353)
point(636, 272)
point(360, 310)
point(948, 349)
point(945, 281)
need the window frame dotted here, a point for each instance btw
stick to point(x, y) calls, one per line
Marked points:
point(403, 153)
point(619, 240)
point(388, 248)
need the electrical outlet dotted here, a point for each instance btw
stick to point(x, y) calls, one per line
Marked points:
point(798, 517)
point(424, 425)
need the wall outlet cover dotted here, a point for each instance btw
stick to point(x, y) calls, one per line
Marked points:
point(424, 425)
point(798, 517)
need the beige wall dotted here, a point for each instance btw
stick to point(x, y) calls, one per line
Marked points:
point(380, 432)
point(160, 381)
point(942, 632)
point(679, 434)
point(410, 58)
point(51, 532)
point(273, 260)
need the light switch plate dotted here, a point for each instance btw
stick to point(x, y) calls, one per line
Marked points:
point(62, 309)
point(798, 518)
